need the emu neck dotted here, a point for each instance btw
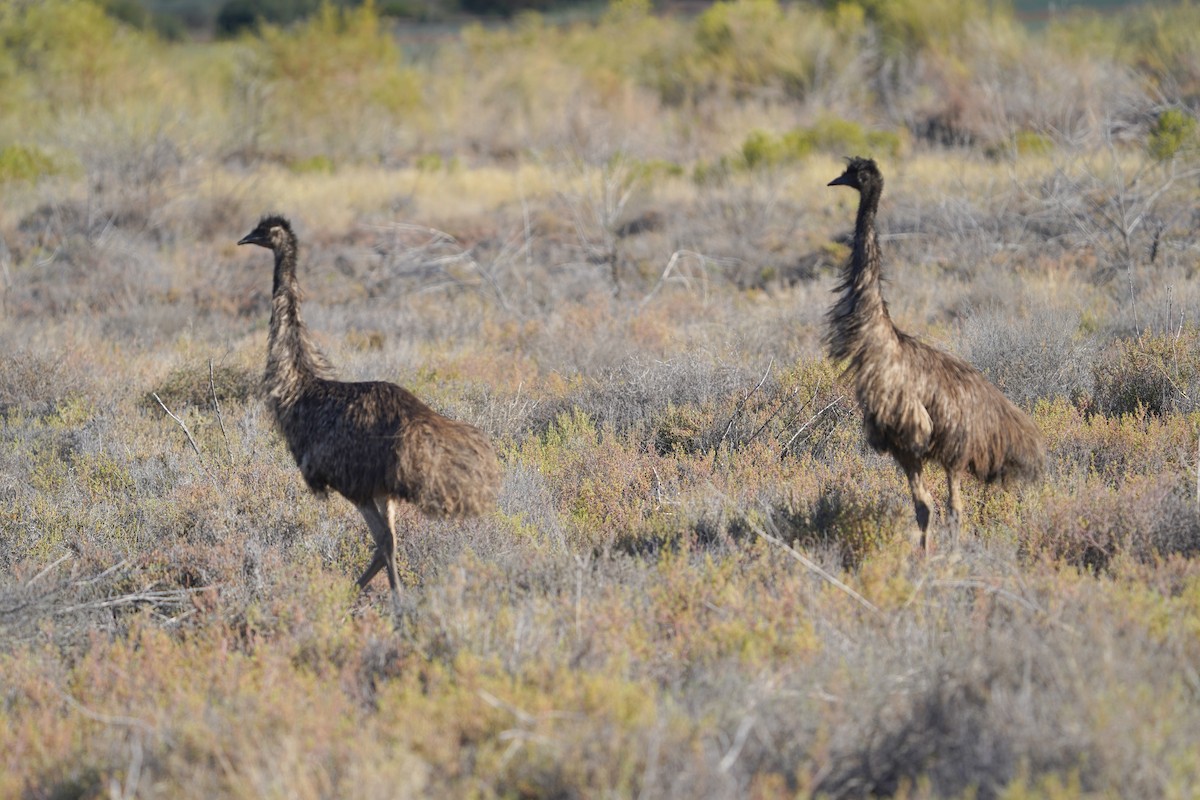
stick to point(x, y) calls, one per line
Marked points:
point(291, 359)
point(859, 319)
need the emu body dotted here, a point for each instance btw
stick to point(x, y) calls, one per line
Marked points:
point(372, 442)
point(920, 404)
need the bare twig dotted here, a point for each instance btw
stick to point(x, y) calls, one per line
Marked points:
point(671, 272)
point(432, 254)
point(737, 412)
point(1001, 592)
point(5, 278)
point(815, 568)
point(133, 773)
point(782, 404)
point(46, 571)
point(739, 741)
point(811, 420)
point(105, 719)
point(147, 596)
point(97, 578)
point(521, 716)
point(212, 386)
point(186, 432)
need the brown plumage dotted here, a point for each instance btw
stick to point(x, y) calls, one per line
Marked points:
point(919, 403)
point(372, 442)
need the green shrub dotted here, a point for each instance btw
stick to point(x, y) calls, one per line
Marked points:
point(836, 135)
point(430, 162)
point(651, 169)
point(1021, 143)
point(829, 135)
point(1031, 143)
point(25, 163)
point(739, 47)
point(761, 149)
point(1174, 131)
point(193, 385)
point(682, 429)
point(1160, 40)
point(910, 25)
point(308, 85)
point(844, 517)
point(313, 165)
point(71, 51)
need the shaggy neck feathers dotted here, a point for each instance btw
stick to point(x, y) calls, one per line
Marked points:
point(292, 360)
point(860, 317)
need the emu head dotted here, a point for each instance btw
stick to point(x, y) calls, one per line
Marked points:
point(272, 232)
point(860, 173)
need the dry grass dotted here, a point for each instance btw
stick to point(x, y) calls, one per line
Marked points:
point(177, 616)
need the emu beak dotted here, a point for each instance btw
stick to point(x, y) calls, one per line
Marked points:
point(840, 180)
point(254, 237)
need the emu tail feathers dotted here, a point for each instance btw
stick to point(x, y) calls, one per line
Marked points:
point(451, 469)
point(1023, 459)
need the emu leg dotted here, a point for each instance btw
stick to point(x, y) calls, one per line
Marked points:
point(373, 514)
point(922, 503)
point(372, 569)
point(387, 510)
point(954, 503)
point(385, 547)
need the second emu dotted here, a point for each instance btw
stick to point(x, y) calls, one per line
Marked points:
point(372, 442)
point(920, 404)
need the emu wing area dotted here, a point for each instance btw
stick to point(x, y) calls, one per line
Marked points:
point(371, 438)
point(975, 428)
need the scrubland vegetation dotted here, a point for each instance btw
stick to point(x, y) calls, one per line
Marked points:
point(607, 243)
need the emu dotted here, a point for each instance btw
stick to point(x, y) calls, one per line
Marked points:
point(373, 442)
point(920, 404)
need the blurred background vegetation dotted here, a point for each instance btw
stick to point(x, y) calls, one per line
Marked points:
point(201, 17)
point(791, 78)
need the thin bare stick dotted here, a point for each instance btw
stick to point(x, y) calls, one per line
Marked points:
point(46, 571)
point(779, 407)
point(120, 565)
point(148, 596)
point(212, 387)
point(673, 272)
point(815, 568)
point(812, 419)
point(977, 584)
point(739, 741)
point(105, 719)
point(737, 412)
point(186, 432)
